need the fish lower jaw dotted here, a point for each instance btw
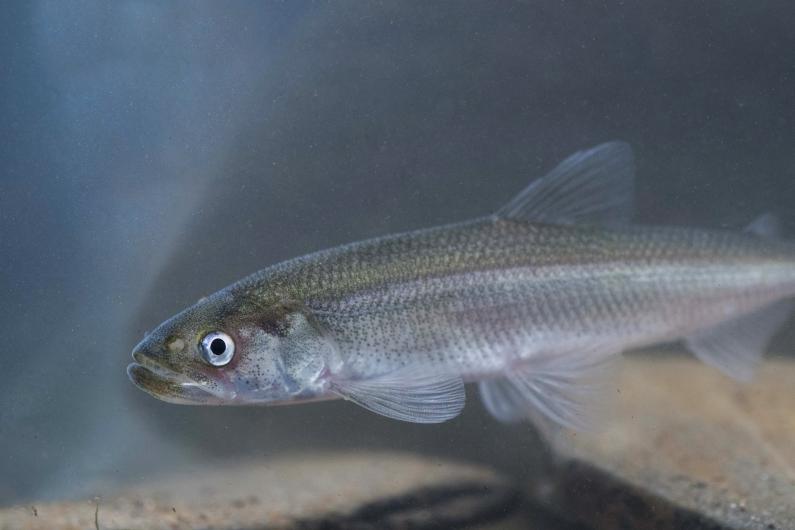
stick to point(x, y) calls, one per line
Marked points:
point(169, 386)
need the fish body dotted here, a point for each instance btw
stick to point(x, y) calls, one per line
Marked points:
point(529, 303)
point(469, 297)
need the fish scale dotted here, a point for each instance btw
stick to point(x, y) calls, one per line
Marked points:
point(530, 303)
point(518, 285)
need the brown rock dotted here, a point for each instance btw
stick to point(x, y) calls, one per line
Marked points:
point(685, 448)
point(334, 490)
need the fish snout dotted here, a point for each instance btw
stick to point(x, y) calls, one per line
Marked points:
point(151, 352)
point(143, 352)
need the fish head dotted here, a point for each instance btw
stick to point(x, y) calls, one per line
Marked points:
point(228, 350)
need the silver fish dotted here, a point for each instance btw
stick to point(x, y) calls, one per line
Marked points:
point(530, 303)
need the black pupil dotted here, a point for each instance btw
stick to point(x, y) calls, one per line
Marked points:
point(218, 346)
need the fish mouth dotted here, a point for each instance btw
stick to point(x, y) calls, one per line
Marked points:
point(167, 385)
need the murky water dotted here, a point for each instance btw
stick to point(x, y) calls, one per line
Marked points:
point(155, 152)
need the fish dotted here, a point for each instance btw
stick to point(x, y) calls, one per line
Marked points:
point(532, 304)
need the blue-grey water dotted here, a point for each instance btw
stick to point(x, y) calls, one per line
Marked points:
point(153, 152)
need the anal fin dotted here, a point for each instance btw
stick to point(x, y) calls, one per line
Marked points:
point(735, 347)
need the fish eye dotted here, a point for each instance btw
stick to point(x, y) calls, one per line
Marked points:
point(217, 348)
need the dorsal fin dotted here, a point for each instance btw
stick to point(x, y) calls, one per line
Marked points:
point(594, 186)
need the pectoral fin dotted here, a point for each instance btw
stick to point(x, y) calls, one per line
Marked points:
point(735, 347)
point(413, 394)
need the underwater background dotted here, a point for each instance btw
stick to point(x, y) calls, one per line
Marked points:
point(154, 152)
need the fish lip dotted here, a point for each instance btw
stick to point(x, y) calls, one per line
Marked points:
point(166, 384)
